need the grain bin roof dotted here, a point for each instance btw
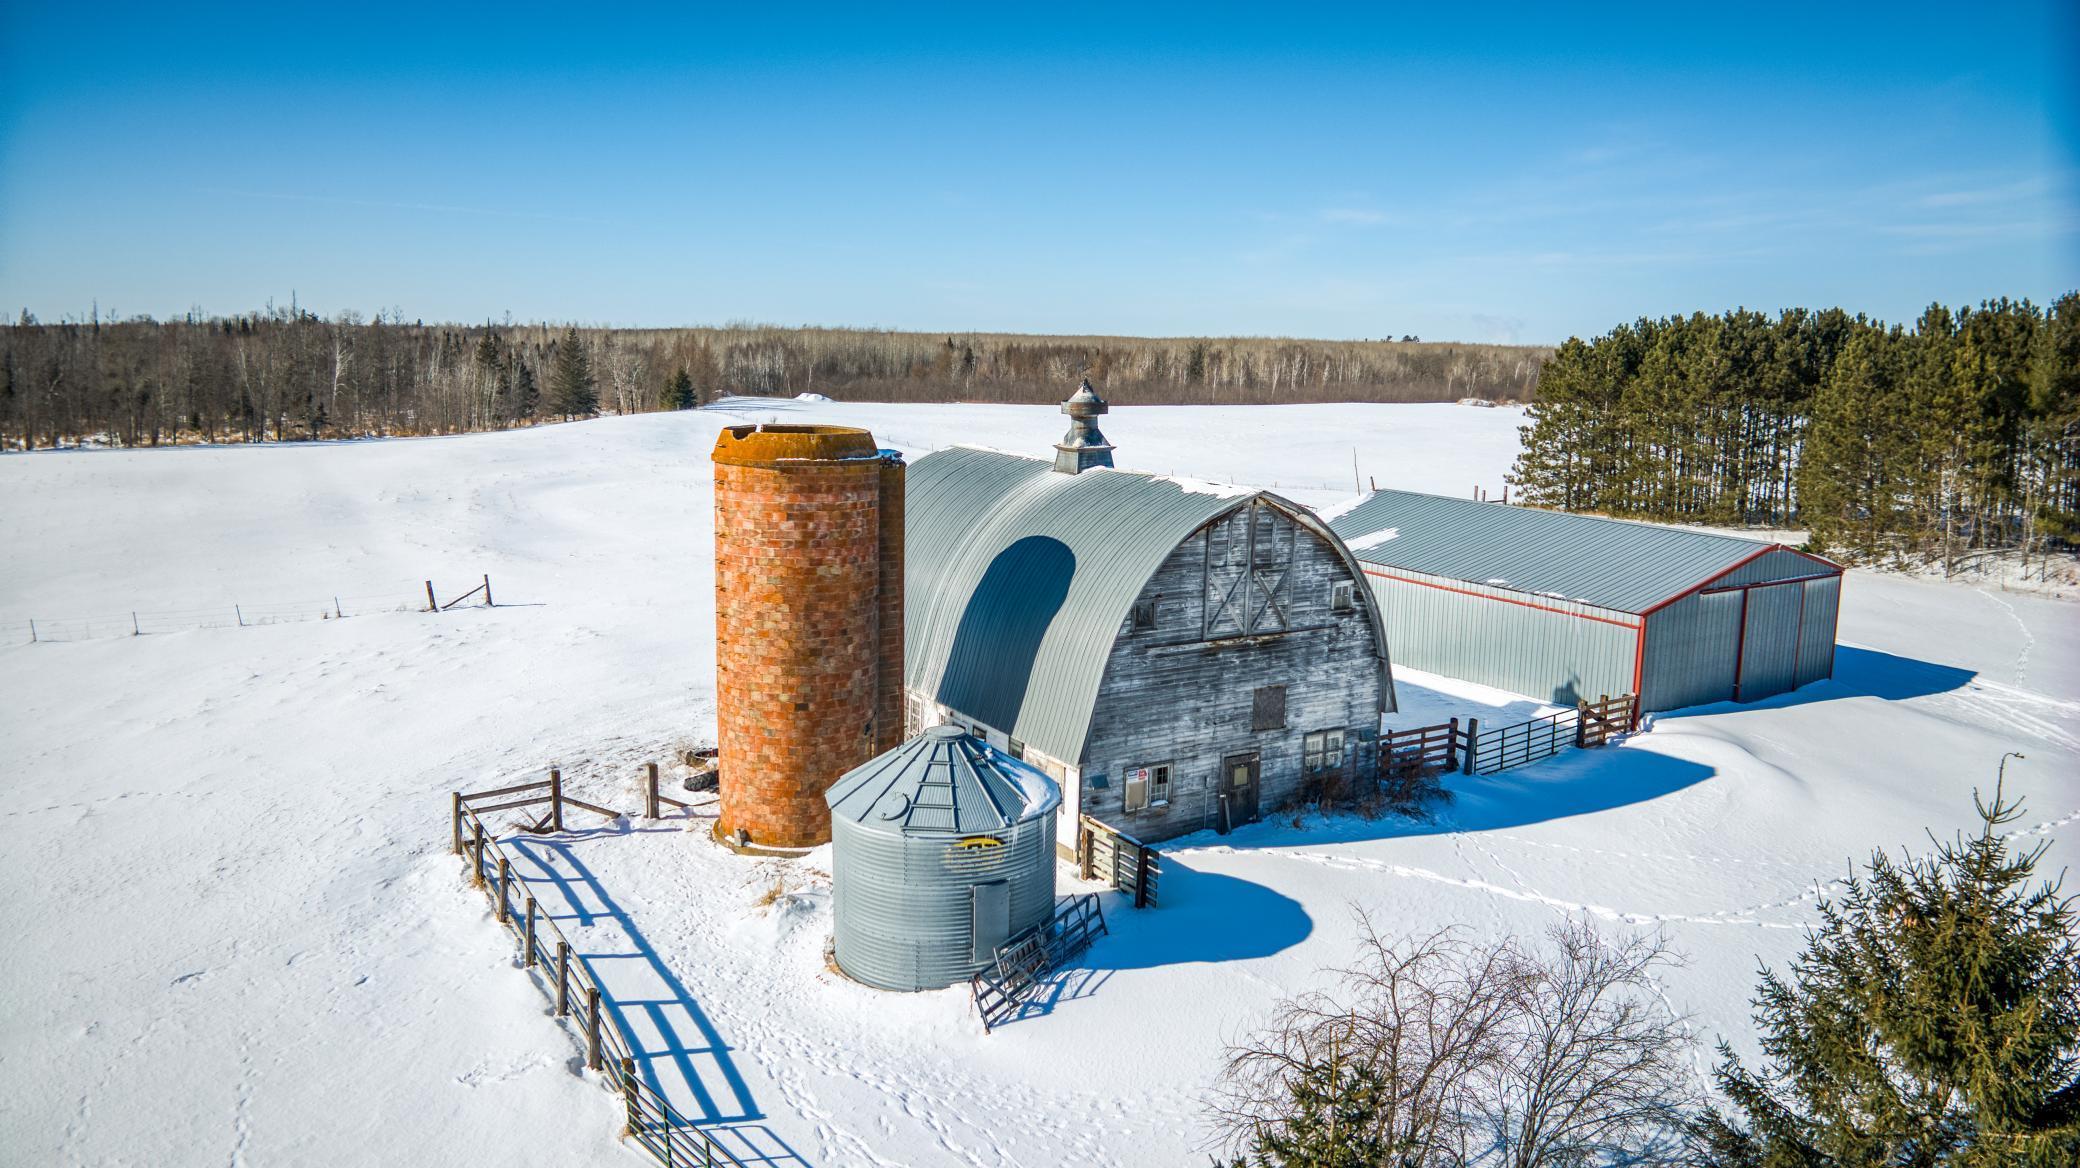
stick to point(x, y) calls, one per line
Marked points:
point(942, 781)
point(1018, 579)
point(1610, 563)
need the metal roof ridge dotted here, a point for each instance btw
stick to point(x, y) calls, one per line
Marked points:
point(1585, 516)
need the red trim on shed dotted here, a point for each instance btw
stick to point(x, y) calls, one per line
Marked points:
point(1704, 584)
point(1371, 571)
point(1740, 643)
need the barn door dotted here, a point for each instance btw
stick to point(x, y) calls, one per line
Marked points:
point(1248, 572)
point(1238, 789)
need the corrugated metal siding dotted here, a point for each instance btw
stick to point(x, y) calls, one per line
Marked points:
point(903, 907)
point(1769, 643)
point(1780, 564)
point(1490, 636)
point(1610, 563)
point(1816, 638)
point(1018, 579)
point(1690, 651)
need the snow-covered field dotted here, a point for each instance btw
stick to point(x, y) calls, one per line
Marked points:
point(235, 935)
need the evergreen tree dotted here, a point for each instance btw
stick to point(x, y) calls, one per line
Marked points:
point(1933, 1019)
point(1860, 450)
point(1333, 1122)
point(678, 392)
point(572, 390)
point(527, 396)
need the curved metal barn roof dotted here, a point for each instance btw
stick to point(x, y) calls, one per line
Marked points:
point(942, 781)
point(1610, 563)
point(1017, 579)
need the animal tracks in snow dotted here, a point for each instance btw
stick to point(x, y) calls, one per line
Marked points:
point(1739, 916)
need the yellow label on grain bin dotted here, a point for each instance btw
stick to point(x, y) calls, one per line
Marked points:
point(979, 841)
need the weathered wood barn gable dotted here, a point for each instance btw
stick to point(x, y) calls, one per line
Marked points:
point(1564, 607)
point(1177, 655)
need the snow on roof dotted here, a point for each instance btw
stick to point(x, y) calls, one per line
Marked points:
point(1203, 487)
point(1372, 539)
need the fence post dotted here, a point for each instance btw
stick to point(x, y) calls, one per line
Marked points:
point(32, 630)
point(592, 1059)
point(1632, 719)
point(487, 591)
point(1473, 742)
point(335, 609)
point(555, 799)
point(628, 1094)
point(240, 614)
point(476, 867)
point(563, 979)
point(1581, 724)
point(1140, 876)
point(650, 790)
point(505, 912)
point(527, 945)
point(134, 630)
point(457, 796)
point(1451, 747)
point(1086, 850)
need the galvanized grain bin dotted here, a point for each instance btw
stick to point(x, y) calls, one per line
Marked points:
point(942, 849)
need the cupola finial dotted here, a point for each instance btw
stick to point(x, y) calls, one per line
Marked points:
point(1083, 446)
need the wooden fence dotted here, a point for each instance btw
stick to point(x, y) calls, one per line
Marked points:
point(1409, 756)
point(1103, 852)
point(649, 1120)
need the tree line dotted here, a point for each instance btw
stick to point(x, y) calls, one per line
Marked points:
point(1956, 437)
point(290, 374)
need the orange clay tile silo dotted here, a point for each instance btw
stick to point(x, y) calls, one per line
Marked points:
point(808, 681)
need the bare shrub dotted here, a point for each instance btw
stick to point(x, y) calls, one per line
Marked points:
point(1444, 1052)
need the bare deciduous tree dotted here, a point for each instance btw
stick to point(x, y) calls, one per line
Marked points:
point(1440, 1052)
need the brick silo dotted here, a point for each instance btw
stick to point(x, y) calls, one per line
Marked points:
point(808, 685)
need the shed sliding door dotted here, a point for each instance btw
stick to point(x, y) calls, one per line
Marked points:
point(1769, 640)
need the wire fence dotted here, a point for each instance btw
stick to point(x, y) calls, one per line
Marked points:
point(405, 596)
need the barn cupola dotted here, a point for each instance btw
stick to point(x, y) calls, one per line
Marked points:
point(1083, 446)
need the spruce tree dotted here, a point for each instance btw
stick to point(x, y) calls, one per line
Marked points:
point(678, 393)
point(1933, 1019)
point(527, 396)
point(572, 390)
point(1333, 1122)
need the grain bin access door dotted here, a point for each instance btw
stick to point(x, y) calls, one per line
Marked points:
point(1769, 641)
point(992, 918)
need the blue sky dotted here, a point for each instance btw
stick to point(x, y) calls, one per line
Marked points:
point(1472, 172)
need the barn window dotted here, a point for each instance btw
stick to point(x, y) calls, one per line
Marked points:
point(1144, 614)
point(1340, 597)
point(1267, 710)
point(1147, 786)
point(1017, 749)
point(1321, 751)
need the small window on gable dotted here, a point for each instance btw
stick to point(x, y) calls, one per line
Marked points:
point(1016, 749)
point(1341, 598)
point(1147, 786)
point(1144, 614)
point(1267, 709)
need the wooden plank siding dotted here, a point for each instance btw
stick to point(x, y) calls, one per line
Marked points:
point(1183, 692)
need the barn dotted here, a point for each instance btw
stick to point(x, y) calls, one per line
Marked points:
point(1177, 655)
point(1563, 607)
